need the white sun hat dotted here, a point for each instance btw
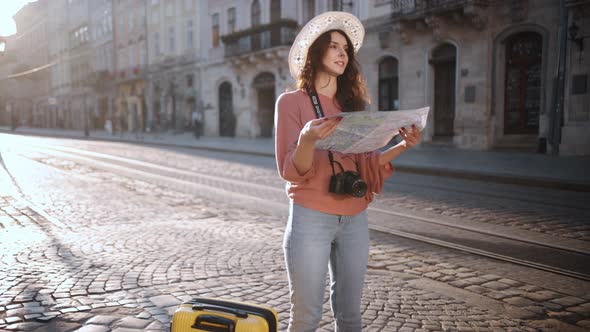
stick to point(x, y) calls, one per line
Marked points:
point(327, 21)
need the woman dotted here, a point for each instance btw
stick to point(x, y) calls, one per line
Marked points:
point(327, 227)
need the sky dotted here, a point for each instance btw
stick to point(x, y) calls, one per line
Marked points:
point(7, 9)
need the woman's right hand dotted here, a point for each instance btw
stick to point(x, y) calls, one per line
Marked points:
point(318, 129)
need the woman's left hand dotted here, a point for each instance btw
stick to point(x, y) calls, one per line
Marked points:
point(410, 137)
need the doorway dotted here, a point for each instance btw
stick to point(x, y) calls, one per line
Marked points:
point(522, 89)
point(227, 119)
point(264, 84)
point(444, 62)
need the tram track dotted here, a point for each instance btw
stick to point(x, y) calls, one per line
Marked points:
point(552, 257)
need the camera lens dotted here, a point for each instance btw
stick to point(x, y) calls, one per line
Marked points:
point(358, 188)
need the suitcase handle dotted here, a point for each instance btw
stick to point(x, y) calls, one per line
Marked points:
point(236, 312)
point(221, 324)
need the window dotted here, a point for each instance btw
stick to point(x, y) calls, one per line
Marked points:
point(308, 10)
point(142, 53)
point(156, 44)
point(131, 55)
point(171, 39)
point(231, 20)
point(337, 5)
point(111, 57)
point(189, 34)
point(122, 59)
point(255, 12)
point(188, 4)
point(155, 16)
point(275, 10)
point(388, 85)
point(215, 29)
point(131, 21)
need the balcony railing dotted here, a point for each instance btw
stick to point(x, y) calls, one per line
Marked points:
point(417, 8)
point(130, 74)
point(259, 38)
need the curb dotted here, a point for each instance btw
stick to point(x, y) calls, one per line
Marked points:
point(438, 171)
point(497, 177)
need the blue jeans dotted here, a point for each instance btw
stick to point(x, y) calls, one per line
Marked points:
point(313, 242)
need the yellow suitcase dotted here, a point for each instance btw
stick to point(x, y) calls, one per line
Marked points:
point(203, 314)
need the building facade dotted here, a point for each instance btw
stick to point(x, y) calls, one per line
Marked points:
point(486, 69)
point(130, 43)
point(8, 64)
point(60, 83)
point(496, 74)
point(103, 74)
point(29, 47)
point(173, 62)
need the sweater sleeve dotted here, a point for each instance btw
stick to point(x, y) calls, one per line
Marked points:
point(373, 173)
point(288, 125)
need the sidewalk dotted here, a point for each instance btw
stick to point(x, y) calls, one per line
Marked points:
point(570, 173)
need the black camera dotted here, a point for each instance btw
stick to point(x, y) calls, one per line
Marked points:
point(348, 182)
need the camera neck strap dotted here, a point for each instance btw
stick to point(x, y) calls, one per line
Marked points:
point(319, 113)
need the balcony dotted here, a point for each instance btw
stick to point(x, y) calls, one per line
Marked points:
point(414, 9)
point(130, 74)
point(261, 37)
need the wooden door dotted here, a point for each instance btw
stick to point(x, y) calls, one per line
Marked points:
point(266, 103)
point(227, 119)
point(522, 97)
point(444, 98)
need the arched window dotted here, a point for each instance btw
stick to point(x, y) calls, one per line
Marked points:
point(255, 12)
point(275, 10)
point(388, 85)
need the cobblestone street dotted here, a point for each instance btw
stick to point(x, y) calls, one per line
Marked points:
point(84, 249)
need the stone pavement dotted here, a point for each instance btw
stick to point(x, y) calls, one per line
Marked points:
point(569, 172)
point(93, 263)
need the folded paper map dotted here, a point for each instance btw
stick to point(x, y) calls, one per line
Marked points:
point(366, 131)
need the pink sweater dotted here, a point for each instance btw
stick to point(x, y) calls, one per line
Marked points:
point(310, 190)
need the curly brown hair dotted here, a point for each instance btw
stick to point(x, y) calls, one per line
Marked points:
point(351, 93)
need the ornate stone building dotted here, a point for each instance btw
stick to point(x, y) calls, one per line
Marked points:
point(487, 69)
point(28, 78)
point(103, 75)
point(61, 114)
point(130, 43)
point(246, 66)
point(174, 62)
point(497, 74)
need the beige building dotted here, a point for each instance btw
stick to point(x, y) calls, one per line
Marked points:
point(28, 83)
point(486, 68)
point(61, 116)
point(247, 44)
point(496, 74)
point(130, 43)
point(173, 56)
point(8, 64)
point(102, 78)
